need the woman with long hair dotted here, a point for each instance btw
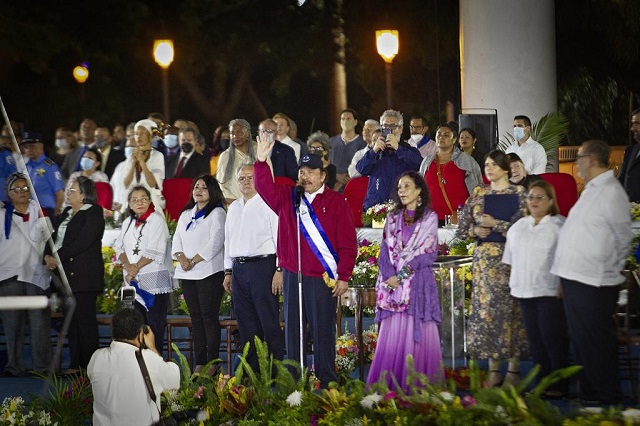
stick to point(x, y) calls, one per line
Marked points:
point(143, 249)
point(408, 309)
point(495, 330)
point(450, 174)
point(467, 141)
point(198, 246)
point(78, 240)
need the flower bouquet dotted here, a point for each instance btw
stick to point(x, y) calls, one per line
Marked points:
point(108, 301)
point(365, 272)
point(376, 215)
point(346, 354)
point(635, 211)
point(369, 343)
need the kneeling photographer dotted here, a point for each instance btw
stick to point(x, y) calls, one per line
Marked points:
point(128, 377)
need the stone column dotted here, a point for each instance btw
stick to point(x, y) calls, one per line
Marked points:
point(508, 58)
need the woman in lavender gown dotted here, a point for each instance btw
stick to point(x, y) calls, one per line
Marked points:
point(407, 301)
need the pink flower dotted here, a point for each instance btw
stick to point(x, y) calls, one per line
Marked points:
point(468, 401)
point(198, 393)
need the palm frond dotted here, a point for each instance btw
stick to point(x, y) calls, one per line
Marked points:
point(550, 130)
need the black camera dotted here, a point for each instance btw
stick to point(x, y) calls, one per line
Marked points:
point(127, 296)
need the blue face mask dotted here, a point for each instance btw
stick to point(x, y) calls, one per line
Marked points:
point(128, 150)
point(171, 141)
point(518, 132)
point(86, 163)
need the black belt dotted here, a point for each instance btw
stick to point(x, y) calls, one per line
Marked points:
point(252, 258)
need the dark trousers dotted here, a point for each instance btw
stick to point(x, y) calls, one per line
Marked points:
point(156, 318)
point(203, 299)
point(590, 313)
point(256, 307)
point(319, 312)
point(546, 327)
point(83, 330)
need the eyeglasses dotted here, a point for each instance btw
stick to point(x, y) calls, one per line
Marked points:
point(390, 126)
point(138, 200)
point(19, 189)
point(537, 197)
point(582, 156)
point(73, 190)
point(245, 179)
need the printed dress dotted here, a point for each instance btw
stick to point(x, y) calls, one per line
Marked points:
point(495, 328)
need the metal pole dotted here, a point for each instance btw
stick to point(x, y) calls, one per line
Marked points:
point(387, 66)
point(165, 94)
point(300, 324)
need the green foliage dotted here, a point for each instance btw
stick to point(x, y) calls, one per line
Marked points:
point(70, 399)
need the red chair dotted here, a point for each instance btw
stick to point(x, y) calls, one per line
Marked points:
point(176, 192)
point(566, 190)
point(105, 194)
point(354, 193)
point(284, 180)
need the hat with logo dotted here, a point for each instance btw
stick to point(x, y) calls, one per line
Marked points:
point(311, 161)
point(31, 137)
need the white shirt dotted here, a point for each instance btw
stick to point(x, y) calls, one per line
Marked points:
point(595, 239)
point(230, 187)
point(205, 237)
point(117, 184)
point(120, 396)
point(529, 250)
point(532, 154)
point(155, 163)
point(21, 254)
point(294, 145)
point(353, 172)
point(251, 229)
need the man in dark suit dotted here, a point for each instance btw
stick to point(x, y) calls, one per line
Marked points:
point(87, 139)
point(283, 158)
point(188, 164)
point(630, 170)
point(111, 157)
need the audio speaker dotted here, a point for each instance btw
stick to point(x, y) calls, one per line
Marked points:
point(486, 128)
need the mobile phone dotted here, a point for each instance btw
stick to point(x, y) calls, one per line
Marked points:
point(385, 133)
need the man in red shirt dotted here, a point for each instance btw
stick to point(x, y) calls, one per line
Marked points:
point(328, 251)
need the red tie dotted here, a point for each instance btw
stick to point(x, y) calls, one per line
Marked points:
point(180, 166)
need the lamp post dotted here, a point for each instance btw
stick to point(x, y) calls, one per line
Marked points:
point(387, 42)
point(163, 55)
point(80, 75)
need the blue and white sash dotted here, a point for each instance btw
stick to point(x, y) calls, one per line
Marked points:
point(314, 234)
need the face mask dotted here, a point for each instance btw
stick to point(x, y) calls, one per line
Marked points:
point(186, 147)
point(128, 150)
point(86, 163)
point(100, 143)
point(416, 139)
point(224, 143)
point(171, 141)
point(62, 143)
point(518, 132)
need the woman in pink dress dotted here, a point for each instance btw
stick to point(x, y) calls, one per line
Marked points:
point(408, 310)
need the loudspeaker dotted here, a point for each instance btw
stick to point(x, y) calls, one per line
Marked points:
point(486, 128)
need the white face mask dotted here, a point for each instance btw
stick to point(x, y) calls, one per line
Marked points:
point(415, 139)
point(171, 141)
point(518, 132)
point(62, 143)
point(128, 150)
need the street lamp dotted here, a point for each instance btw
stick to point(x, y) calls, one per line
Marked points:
point(163, 55)
point(387, 42)
point(81, 74)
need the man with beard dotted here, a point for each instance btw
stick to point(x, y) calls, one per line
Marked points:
point(345, 145)
point(189, 164)
point(630, 171)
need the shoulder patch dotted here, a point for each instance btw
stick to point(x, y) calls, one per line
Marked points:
point(49, 162)
point(58, 175)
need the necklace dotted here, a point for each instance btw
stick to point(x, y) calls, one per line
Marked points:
point(408, 220)
point(440, 169)
point(136, 249)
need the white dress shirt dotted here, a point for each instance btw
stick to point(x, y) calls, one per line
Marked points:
point(595, 239)
point(204, 237)
point(529, 250)
point(251, 230)
point(294, 145)
point(120, 396)
point(353, 172)
point(532, 154)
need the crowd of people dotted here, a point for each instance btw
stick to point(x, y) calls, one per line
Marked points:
point(537, 277)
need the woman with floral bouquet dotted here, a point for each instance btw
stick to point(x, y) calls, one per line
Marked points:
point(407, 297)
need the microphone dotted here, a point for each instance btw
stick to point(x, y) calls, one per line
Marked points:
point(299, 192)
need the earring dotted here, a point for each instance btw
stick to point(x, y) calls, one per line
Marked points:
point(419, 202)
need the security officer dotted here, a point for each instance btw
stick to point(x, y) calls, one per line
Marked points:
point(45, 174)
